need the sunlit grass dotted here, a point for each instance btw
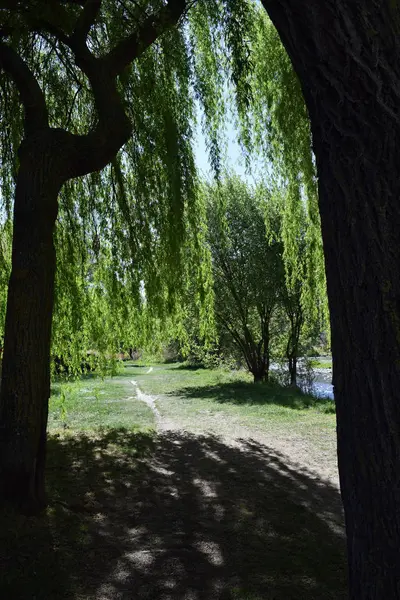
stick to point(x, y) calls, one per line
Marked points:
point(223, 402)
point(90, 403)
point(190, 392)
point(322, 364)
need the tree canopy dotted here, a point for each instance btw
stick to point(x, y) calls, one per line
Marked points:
point(248, 272)
point(124, 234)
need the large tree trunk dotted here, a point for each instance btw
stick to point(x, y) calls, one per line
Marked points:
point(258, 366)
point(347, 56)
point(25, 385)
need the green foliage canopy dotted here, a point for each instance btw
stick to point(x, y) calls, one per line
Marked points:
point(248, 271)
point(130, 239)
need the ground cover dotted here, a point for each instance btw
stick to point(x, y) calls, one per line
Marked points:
point(199, 510)
point(227, 403)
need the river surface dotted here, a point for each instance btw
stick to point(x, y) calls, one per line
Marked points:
point(322, 386)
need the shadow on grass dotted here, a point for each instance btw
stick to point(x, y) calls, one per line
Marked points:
point(242, 393)
point(176, 517)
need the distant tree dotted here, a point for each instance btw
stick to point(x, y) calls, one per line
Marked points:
point(299, 293)
point(282, 138)
point(295, 315)
point(287, 222)
point(247, 269)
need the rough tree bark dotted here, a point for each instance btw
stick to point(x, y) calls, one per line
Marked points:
point(48, 158)
point(25, 385)
point(347, 57)
point(259, 373)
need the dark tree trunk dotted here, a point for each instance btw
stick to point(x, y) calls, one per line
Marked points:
point(259, 368)
point(347, 56)
point(25, 385)
point(267, 364)
point(259, 376)
point(48, 158)
point(293, 370)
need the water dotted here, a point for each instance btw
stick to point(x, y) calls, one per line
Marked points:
point(322, 386)
point(323, 389)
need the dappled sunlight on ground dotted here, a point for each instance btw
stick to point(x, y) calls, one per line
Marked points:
point(176, 517)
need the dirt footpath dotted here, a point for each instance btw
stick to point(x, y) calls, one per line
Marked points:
point(300, 452)
point(208, 516)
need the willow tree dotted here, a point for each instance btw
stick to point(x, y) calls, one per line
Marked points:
point(32, 35)
point(281, 136)
point(81, 80)
point(286, 221)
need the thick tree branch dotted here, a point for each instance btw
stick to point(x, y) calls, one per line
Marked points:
point(32, 97)
point(93, 151)
point(85, 21)
point(152, 27)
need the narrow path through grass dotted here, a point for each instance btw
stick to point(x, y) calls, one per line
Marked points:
point(229, 405)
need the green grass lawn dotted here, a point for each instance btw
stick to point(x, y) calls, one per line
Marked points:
point(133, 514)
point(322, 363)
point(91, 403)
point(189, 395)
point(199, 397)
